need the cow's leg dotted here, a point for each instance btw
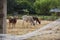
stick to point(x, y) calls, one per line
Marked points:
point(38, 21)
point(9, 25)
point(14, 25)
point(23, 23)
point(33, 23)
point(28, 24)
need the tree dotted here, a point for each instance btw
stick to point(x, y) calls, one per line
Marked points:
point(10, 6)
point(40, 7)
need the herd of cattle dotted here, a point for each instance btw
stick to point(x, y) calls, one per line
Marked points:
point(31, 19)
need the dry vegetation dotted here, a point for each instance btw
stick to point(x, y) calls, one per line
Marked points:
point(21, 29)
point(50, 36)
point(53, 36)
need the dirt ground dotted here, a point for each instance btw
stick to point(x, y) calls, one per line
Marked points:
point(21, 29)
point(53, 36)
point(50, 36)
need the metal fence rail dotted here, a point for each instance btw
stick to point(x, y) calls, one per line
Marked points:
point(13, 37)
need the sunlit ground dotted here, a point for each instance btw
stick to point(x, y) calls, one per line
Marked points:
point(50, 36)
point(21, 29)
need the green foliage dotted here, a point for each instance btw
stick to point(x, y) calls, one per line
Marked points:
point(50, 18)
point(54, 14)
point(39, 7)
point(10, 6)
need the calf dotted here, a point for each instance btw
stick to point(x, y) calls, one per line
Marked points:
point(12, 21)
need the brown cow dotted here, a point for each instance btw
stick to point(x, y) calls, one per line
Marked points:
point(12, 21)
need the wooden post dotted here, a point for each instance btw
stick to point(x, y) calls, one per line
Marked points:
point(5, 15)
point(2, 16)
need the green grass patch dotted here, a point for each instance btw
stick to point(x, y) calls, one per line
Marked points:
point(40, 17)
